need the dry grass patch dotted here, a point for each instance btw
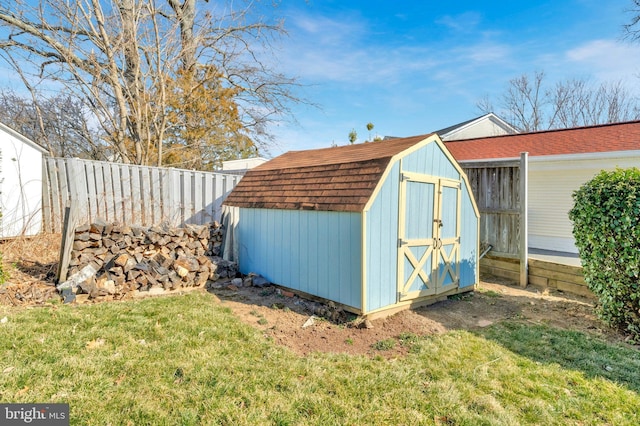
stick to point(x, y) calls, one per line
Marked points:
point(29, 266)
point(31, 258)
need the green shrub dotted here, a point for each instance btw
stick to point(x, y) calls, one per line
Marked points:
point(606, 227)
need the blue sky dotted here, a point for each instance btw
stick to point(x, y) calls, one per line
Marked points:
point(414, 67)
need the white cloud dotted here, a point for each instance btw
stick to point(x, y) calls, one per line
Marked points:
point(342, 50)
point(607, 59)
point(464, 22)
point(489, 53)
point(324, 30)
point(345, 50)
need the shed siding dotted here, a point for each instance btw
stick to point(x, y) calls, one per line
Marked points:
point(316, 252)
point(468, 241)
point(430, 160)
point(551, 185)
point(382, 244)
point(351, 257)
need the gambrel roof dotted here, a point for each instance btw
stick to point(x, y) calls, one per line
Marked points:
point(579, 140)
point(332, 179)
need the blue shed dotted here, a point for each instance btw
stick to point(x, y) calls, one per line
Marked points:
point(375, 227)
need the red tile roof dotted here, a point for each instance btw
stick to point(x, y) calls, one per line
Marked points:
point(581, 140)
point(333, 179)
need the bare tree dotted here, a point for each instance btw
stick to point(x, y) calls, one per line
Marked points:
point(618, 104)
point(122, 57)
point(60, 121)
point(632, 29)
point(485, 104)
point(524, 102)
point(529, 105)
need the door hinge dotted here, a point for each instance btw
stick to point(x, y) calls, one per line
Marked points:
point(402, 242)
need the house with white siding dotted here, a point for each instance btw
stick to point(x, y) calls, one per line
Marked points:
point(20, 184)
point(560, 161)
point(485, 125)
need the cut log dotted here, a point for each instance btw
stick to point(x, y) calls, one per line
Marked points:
point(132, 258)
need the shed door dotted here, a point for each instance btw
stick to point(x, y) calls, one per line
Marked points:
point(429, 236)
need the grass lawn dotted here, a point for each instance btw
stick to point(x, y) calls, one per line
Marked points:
point(187, 360)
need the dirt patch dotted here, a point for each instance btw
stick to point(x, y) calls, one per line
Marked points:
point(282, 316)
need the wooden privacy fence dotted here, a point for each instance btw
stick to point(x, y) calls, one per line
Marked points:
point(130, 194)
point(500, 190)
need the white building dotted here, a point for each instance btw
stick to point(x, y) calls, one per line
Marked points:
point(479, 127)
point(242, 165)
point(20, 184)
point(560, 161)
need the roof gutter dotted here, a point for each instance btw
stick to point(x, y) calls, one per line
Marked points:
point(559, 157)
point(585, 156)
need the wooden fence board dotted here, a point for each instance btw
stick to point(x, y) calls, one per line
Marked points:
point(131, 194)
point(60, 171)
point(80, 189)
point(92, 194)
point(107, 192)
point(186, 196)
point(127, 196)
point(146, 190)
point(496, 188)
point(101, 202)
point(160, 185)
point(117, 198)
point(199, 199)
point(47, 206)
point(219, 192)
point(208, 198)
point(136, 205)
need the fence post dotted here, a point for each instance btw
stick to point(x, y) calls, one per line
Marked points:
point(524, 219)
point(68, 234)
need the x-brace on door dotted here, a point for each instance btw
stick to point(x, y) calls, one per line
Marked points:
point(429, 236)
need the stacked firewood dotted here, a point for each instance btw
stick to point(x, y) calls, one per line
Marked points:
point(131, 258)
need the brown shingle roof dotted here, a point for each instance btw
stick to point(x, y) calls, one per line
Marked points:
point(580, 140)
point(333, 179)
